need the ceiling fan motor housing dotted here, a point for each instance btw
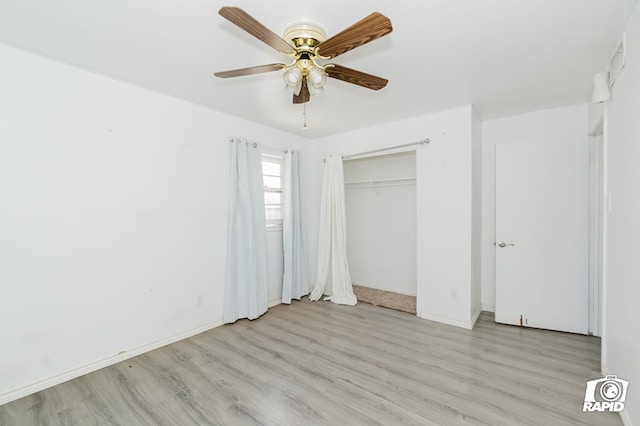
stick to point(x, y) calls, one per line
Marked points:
point(304, 36)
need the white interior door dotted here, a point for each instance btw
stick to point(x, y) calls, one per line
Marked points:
point(542, 222)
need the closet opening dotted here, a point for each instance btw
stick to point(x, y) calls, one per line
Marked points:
point(381, 201)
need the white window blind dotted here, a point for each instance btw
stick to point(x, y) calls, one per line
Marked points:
point(272, 176)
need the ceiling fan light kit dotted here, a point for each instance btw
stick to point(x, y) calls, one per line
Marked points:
point(305, 37)
point(306, 43)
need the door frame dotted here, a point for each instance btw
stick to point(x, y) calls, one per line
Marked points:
point(596, 227)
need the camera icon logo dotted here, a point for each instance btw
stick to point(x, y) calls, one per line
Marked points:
point(606, 394)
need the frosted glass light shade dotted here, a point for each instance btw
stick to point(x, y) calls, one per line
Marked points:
point(316, 78)
point(292, 76)
point(293, 79)
point(601, 90)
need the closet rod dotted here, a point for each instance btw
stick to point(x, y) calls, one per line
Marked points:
point(346, 157)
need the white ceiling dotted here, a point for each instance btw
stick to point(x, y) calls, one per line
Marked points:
point(503, 56)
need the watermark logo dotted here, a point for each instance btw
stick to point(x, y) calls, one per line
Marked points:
point(606, 394)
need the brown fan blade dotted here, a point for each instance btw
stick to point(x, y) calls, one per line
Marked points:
point(368, 29)
point(304, 94)
point(242, 19)
point(249, 71)
point(356, 77)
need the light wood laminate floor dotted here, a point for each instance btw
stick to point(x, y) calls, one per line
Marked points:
point(321, 363)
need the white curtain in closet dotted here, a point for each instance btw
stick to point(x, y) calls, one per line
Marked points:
point(245, 285)
point(332, 238)
point(294, 279)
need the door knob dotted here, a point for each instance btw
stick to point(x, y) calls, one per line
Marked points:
point(502, 244)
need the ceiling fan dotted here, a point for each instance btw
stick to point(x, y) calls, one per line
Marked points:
point(306, 43)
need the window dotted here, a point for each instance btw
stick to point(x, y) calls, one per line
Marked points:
point(272, 177)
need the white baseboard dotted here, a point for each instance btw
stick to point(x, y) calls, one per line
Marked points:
point(626, 420)
point(448, 321)
point(624, 415)
point(275, 302)
point(475, 316)
point(278, 301)
point(73, 373)
point(488, 308)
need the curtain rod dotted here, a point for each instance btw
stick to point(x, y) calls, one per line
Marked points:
point(346, 157)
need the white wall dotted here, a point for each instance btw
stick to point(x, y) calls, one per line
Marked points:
point(621, 338)
point(444, 203)
point(113, 218)
point(564, 124)
point(381, 223)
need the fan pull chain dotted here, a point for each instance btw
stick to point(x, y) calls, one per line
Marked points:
point(304, 113)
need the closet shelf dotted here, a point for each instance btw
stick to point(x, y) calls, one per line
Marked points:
point(374, 183)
